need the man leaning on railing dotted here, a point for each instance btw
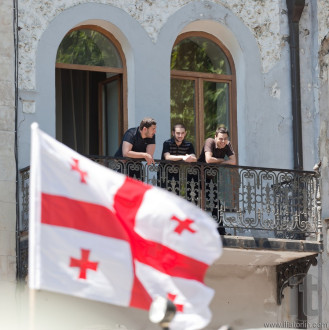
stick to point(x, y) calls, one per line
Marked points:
point(176, 149)
point(139, 143)
point(217, 150)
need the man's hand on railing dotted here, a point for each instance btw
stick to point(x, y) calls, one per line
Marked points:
point(149, 159)
point(189, 158)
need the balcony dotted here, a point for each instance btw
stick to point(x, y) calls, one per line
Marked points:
point(271, 216)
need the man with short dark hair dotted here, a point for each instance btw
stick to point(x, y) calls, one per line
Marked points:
point(178, 149)
point(216, 150)
point(139, 143)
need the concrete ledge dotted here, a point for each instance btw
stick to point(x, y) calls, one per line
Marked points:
point(251, 251)
point(273, 244)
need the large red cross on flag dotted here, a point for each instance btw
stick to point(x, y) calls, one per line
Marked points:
point(97, 234)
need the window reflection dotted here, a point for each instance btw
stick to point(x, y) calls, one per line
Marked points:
point(200, 55)
point(88, 47)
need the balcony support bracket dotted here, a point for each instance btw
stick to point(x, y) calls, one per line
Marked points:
point(292, 274)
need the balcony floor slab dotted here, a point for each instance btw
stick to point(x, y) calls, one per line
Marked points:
point(251, 251)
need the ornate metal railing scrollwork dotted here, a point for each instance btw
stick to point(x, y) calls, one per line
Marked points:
point(249, 201)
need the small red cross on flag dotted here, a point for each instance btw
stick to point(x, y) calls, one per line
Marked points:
point(183, 225)
point(84, 264)
point(75, 167)
point(115, 239)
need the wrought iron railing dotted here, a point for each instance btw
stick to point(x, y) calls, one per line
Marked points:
point(247, 201)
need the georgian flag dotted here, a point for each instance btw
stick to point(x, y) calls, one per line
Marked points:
point(97, 234)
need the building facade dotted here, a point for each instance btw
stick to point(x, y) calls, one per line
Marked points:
point(277, 120)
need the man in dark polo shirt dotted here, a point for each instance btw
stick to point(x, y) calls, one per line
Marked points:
point(217, 151)
point(139, 143)
point(177, 149)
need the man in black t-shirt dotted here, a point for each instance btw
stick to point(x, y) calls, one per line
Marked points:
point(139, 143)
point(216, 151)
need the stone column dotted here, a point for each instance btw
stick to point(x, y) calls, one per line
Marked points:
point(7, 145)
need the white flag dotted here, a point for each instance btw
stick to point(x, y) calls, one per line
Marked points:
point(97, 234)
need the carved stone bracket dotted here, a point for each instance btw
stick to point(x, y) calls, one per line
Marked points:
point(292, 274)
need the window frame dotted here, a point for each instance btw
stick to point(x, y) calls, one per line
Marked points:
point(101, 85)
point(199, 78)
point(123, 71)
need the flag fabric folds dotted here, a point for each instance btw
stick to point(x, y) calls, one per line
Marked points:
point(97, 234)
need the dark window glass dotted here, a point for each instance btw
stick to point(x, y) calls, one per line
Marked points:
point(216, 106)
point(182, 106)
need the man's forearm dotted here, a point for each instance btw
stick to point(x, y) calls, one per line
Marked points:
point(228, 162)
point(134, 154)
point(173, 157)
point(214, 160)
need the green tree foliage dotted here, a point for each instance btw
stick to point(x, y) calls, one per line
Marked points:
point(182, 106)
point(88, 47)
point(198, 54)
point(215, 107)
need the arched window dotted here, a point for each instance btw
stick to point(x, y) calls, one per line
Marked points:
point(90, 84)
point(203, 92)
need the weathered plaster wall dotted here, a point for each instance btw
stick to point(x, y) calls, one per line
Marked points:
point(323, 62)
point(7, 145)
point(235, 304)
point(308, 36)
point(323, 139)
point(262, 17)
point(323, 19)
